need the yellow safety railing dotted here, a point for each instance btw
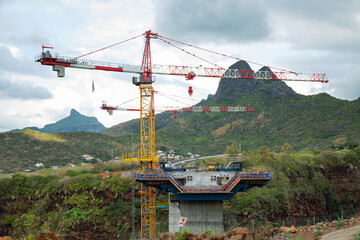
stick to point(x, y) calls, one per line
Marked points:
point(138, 157)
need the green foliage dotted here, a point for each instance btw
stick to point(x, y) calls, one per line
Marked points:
point(19, 184)
point(318, 234)
point(80, 199)
point(357, 152)
point(30, 237)
point(22, 150)
point(299, 178)
point(61, 205)
point(183, 234)
point(287, 148)
point(233, 150)
point(71, 173)
point(339, 222)
point(357, 236)
point(294, 119)
point(28, 224)
point(114, 167)
point(116, 209)
point(288, 235)
point(8, 220)
point(74, 215)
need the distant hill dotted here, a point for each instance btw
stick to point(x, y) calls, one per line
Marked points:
point(281, 116)
point(22, 150)
point(76, 122)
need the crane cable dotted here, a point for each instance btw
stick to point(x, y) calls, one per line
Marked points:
point(221, 54)
point(181, 49)
point(169, 40)
point(186, 104)
point(127, 101)
point(186, 98)
point(112, 45)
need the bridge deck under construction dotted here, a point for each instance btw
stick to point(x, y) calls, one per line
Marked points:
point(185, 186)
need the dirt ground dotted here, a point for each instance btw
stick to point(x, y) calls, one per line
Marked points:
point(346, 232)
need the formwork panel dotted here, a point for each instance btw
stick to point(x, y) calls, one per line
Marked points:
point(201, 216)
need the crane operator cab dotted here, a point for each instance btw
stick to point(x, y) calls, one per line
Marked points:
point(142, 80)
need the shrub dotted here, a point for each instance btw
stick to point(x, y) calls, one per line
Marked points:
point(27, 224)
point(8, 220)
point(339, 223)
point(317, 234)
point(71, 173)
point(357, 236)
point(183, 234)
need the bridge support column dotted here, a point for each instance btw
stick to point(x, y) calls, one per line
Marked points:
point(201, 215)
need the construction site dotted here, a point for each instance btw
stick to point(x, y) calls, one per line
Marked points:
point(195, 195)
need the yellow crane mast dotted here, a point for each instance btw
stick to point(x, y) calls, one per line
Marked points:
point(146, 156)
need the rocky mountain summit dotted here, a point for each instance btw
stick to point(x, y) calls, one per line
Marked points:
point(230, 88)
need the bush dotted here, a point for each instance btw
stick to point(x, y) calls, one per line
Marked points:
point(339, 223)
point(351, 157)
point(71, 173)
point(27, 224)
point(357, 236)
point(8, 220)
point(183, 234)
point(116, 209)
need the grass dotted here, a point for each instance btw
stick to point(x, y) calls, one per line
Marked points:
point(217, 162)
point(43, 136)
point(61, 171)
point(357, 236)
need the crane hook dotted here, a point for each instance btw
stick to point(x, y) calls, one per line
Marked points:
point(190, 91)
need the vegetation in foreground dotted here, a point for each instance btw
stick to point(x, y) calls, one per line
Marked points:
point(80, 204)
point(307, 186)
point(76, 204)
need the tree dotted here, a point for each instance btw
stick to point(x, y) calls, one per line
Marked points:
point(287, 149)
point(264, 154)
point(233, 150)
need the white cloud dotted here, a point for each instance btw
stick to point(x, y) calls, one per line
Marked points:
point(212, 21)
point(304, 36)
point(22, 90)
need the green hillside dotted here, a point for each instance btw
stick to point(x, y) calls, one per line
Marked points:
point(281, 116)
point(22, 150)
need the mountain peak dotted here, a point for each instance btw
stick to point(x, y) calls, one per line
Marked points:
point(76, 122)
point(229, 87)
point(73, 112)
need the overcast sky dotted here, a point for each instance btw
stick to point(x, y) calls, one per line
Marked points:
point(303, 36)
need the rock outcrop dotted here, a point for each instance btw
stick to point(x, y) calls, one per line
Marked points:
point(229, 87)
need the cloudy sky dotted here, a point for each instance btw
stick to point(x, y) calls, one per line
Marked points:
point(304, 36)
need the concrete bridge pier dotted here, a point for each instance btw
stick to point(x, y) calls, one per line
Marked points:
point(201, 215)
